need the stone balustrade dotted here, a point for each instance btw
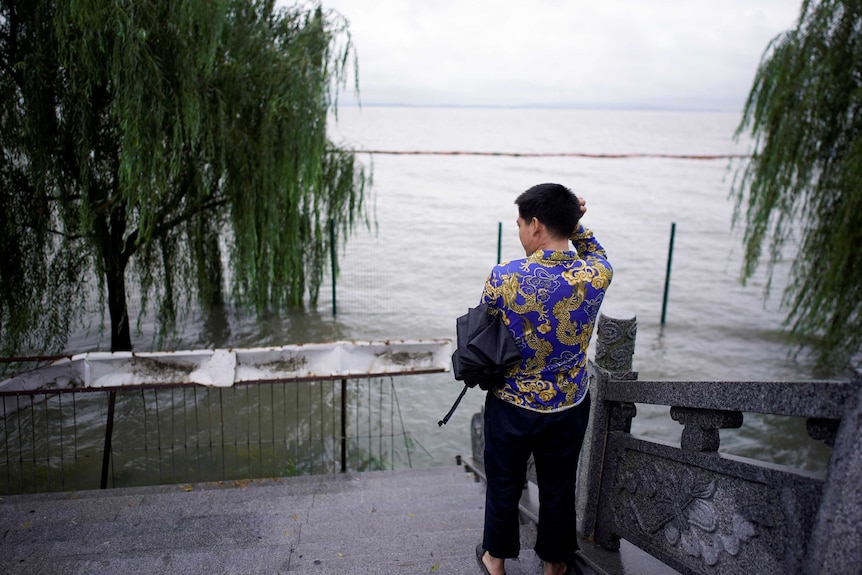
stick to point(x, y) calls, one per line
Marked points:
point(698, 510)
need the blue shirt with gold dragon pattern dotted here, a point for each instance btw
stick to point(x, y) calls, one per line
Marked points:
point(550, 301)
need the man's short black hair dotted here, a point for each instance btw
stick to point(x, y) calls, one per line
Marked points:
point(554, 205)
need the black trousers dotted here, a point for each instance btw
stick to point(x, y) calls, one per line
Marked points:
point(511, 435)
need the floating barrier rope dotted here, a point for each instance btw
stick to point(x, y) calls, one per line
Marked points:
point(552, 154)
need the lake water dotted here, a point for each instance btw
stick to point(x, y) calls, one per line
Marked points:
point(435, 238)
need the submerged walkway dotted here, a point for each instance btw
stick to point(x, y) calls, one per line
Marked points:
point(411, 521)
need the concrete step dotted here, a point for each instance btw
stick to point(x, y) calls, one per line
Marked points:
point(411, 521)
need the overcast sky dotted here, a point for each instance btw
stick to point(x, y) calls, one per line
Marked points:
point(677, 54)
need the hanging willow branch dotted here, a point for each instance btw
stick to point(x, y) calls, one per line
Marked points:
point(804, 185)
point(155, 141)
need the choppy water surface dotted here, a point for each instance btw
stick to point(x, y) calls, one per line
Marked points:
point(435, 240)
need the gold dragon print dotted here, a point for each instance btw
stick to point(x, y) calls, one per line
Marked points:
point(549, 292)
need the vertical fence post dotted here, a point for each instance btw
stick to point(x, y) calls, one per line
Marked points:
point(109, 432)
point(343, 426)
point(332, 259)
point(499, 241)
point(667, 273)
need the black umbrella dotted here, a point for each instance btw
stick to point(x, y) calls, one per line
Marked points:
point(485, 351)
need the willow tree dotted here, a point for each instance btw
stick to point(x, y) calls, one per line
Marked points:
point(802, 190)
point(152, 142)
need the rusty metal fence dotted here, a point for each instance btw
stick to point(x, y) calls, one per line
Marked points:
point(100, 420)
point(69, 439)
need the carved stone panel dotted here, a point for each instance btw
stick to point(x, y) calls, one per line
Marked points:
point(704, 521)
point(615, 343)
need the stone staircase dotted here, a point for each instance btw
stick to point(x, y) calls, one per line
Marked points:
point(411, 521)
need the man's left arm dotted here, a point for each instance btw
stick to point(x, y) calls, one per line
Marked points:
point(586, 244)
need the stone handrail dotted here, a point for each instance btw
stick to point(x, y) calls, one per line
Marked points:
point(699, 511)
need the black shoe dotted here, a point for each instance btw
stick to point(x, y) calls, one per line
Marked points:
point(480, 552)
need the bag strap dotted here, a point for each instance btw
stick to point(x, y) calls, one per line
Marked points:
point(445, 420)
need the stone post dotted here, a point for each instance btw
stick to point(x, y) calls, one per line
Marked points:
point(615, 346)
point(835, 546)
point(700, 433)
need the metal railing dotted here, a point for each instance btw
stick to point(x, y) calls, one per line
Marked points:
point(84, 436)
point(72, 439)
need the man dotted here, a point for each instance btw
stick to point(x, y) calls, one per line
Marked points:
point(549, 302)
